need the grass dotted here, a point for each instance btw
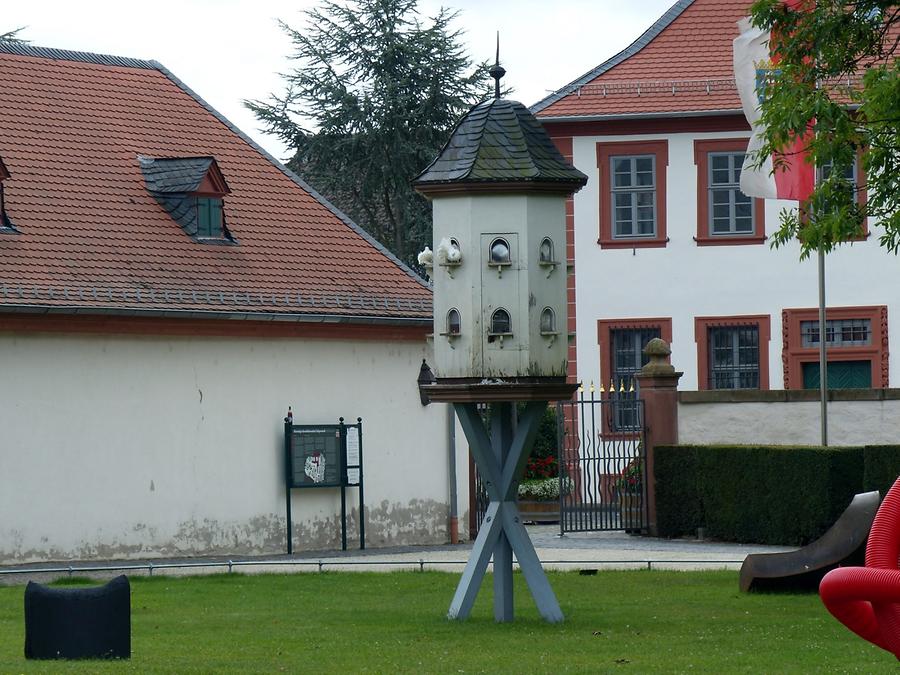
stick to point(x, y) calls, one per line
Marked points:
point(616, 622)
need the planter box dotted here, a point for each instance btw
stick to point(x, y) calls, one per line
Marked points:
point(631, 511)
point(539, 512)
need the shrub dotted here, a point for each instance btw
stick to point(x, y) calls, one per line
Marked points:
point(544, 489)
point(761, 494)
point(881, 467)
point(543, 462)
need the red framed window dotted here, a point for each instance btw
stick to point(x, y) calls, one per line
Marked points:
point(856, 347)
point(725, 216)
point(633, 193)
point(732, 352)
point(857, 176)
point(621, 342)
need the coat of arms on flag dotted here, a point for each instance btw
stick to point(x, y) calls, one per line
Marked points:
point(754, 68)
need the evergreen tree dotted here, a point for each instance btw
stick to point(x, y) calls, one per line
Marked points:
point(381, 88)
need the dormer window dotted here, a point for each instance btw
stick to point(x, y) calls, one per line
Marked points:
point(192, 191)
point(209, 218)
point(5, 223)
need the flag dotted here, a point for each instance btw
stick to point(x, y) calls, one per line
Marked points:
point(753, 64)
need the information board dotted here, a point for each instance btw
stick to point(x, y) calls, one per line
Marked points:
point(324, 456)
point(316, 456)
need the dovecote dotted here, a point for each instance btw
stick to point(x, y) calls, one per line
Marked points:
point(498, 190)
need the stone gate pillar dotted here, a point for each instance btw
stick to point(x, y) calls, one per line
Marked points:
point(658, 385)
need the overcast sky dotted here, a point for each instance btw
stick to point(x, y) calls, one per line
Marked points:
point(230, 50)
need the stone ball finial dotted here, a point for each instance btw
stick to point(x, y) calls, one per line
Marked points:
point(658, 351)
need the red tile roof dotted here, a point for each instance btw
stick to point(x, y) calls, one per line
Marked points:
point(91, 237)
point(683, 63)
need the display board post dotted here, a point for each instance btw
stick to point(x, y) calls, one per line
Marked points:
point(288, 424)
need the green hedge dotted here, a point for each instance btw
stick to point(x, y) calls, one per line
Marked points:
point(761, 494)
point(882, 467)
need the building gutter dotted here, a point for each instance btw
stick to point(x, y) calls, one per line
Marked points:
point(424, 321)
point(638, 116)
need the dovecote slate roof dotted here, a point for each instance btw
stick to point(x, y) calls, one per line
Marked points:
point(681, 64)
point(498, 143)
point(91, 237)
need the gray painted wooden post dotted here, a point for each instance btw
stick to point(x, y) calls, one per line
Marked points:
point(501, 459)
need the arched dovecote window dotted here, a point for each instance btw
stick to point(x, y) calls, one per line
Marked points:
point(547, 255)
point(545, 252)
point(454, 323)
point(501, 324)
point(499, 252)
point(548, 322)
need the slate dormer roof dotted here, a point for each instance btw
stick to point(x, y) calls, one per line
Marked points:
point(92, 239)
point(682, 64)
point(499, 145)
point(166, 175)
point(174, 182)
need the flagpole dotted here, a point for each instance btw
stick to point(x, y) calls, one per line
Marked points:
point(823, 362)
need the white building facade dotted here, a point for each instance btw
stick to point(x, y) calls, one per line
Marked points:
point(665, 244)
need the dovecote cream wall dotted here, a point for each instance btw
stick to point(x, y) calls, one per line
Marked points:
point(529, 285)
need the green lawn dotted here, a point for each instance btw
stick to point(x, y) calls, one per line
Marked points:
point(638, 622)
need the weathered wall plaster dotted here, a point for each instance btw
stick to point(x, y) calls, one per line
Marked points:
point(124, 447)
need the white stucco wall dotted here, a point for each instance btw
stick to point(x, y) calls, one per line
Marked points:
point(129, 447)
point(684, 280)
point(789, 423)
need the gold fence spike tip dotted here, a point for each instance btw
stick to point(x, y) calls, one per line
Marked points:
point(631, 387)
point(602, 390)
point(612, 386)
point(581, 387)
point(592, 387)
point(621, 386)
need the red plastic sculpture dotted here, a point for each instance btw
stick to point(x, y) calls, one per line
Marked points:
point(867, 599)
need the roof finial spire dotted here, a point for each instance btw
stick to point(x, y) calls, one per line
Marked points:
point(497, 71)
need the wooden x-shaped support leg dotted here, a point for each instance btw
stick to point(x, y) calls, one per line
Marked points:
point(501, 460)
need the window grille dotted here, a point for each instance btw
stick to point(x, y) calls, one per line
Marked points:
point(627, 360)
point(633, 196)
point(734, 357)
point(730, 210)
point(838, 332)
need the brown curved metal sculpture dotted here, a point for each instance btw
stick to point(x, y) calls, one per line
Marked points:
point(804, 568)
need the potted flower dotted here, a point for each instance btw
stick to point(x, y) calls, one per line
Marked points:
point(539, 491)
point(630, 489)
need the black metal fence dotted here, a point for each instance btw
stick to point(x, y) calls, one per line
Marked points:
point(602, 466)
point(602, 463)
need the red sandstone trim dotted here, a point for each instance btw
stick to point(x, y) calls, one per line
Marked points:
point(605, 151)
point(702, 148)
point(794, 355)
point(702, 324)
